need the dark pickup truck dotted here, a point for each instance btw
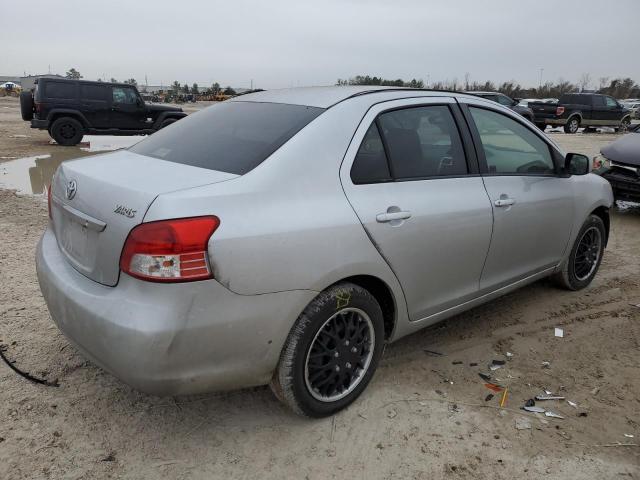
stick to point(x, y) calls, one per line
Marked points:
point(575, 110)
point(69, 109)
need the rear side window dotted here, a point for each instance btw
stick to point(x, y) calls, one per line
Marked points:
point(64, 90)
point(370, 164)
point(124, 95)
point(598, 101)
point(423, 142)
point(233, 137)
point(510, 147)
point(94, 92)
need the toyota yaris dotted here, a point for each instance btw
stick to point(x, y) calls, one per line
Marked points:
point(284, 237)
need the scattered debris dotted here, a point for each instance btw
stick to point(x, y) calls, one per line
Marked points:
point(432, 353)
point(493, 387)
point(573, 404)
point(559, 332)
point(628, 435)
point(392, 414)
point(362, 415)
point(582, 414)
point(488, 397)
point(546, 365)
point(530, 403)
point(493, 368)
point(509, 354)
point(498, 362)
point(485, 377)
point(553, 415)
point(504, 397)
point(595, 391)
point(109, 458)
point(473, 364)
point(549, 397)
point(534, 409)
point(522, 423)
point(26, 375)
point(457, 362)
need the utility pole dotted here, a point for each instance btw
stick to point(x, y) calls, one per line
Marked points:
point(540, 84)
point(252, 84)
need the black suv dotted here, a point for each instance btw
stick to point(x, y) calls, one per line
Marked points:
point(69, 109)
point(575, 110)
point(502, 99)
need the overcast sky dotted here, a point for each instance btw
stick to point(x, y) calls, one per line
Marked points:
point(282, 43)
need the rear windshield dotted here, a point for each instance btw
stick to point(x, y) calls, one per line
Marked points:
point(232, 137)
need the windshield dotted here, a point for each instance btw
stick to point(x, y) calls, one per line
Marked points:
point(232, 137)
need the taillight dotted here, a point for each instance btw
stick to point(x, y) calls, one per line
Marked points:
point(37, 107)
point(559, 111)
point(49, 201)
point(169, 250)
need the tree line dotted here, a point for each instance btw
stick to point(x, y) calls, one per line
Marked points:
point(617, 87)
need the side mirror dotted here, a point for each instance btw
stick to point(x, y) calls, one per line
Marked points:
point(516, 101)
point(576, 164)
point(139, 102)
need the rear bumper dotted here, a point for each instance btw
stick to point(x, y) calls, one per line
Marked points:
point(41, 124)
point(555, 121)
point(168, 339)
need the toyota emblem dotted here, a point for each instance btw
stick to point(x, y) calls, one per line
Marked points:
point(72, 188)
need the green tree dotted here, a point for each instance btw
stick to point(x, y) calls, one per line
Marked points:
point(185, 88)
point(194, 88)
point(113, 80)
point(131, 81)
point(229, 91)
point(175, 87)
point(215, 88)
point(73, 73)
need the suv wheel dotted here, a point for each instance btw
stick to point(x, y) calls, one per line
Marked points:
point(67, 131)
point(624, 125)
point(572, 125)
point(584, 260)
point(331, 352)
point(26, 105)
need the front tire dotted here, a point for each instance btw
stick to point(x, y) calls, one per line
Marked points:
point(331, 353)
point(624, 125)
point(585, 257)
point(572, 125)
point(67, 131)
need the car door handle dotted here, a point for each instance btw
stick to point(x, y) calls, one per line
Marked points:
point(390, 216)
point(504, 202)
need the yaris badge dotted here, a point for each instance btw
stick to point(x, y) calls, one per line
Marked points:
point(72, 188)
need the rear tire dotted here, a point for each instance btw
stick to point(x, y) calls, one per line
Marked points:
point(26, 105)
point(67, 131)
point(584, 260)
point(331, 352)
point(572, 125)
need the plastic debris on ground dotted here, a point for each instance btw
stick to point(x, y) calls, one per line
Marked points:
point(488, 397)
point(553, 414)
point(546, 365)
point(522, 424)
point(509, 354)
point(484, 376)
point(534, 409)
point(558, 332)
point(493, 387)
point(573, 404)
point(549, 397)
point(628, 435)
point(432, 353)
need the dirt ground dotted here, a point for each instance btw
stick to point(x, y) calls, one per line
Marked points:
point(424, 416)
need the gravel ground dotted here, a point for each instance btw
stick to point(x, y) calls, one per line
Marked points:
point(422, 417)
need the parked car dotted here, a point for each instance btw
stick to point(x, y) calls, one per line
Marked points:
point(575, 110)
point(70, 109)
point(634, 108)
point(284, 237)
point(619, 164)
point(509, 102)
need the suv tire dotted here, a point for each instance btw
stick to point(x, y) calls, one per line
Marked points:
point(624, 125)
point(572, 125)
point(581, 266)
point(331, 352)
point(26, 105)
point(67, 131)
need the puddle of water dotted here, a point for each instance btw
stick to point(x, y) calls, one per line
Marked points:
point(32, 175)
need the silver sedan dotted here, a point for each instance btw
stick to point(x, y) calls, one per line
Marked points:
point(284, 237)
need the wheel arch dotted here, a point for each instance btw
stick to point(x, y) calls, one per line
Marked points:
point(383, 294)
point(56, 114)
point(603, 213)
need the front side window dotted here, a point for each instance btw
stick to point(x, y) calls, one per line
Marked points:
point(611, 103)
point(124, 95)
point(423, 142)
point(509, 146)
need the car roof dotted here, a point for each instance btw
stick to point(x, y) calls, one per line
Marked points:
point(325, 97)
point(47, 79)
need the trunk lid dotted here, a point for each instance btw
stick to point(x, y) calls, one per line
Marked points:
point(97, 200)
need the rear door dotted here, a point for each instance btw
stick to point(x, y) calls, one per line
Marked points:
point(94, 101)
point(411, 176)
point(127, 108)
point(532, 204)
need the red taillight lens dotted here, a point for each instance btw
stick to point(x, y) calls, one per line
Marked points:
point(169, 250)
point(49, 201)
point(559, 111)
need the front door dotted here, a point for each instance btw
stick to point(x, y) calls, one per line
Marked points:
point(127, 109)
point(411, 176)
point(532, 204)
point(94, 100)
